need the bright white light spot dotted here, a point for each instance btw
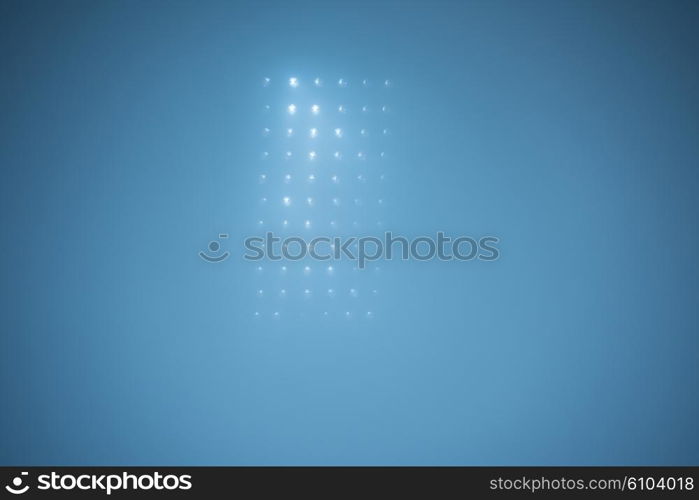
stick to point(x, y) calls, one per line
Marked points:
point(289, 132)
point(286, 201)
point(260, 293)
point(307, 224)
point(382, 154)
point(369, 314)
point(263, 178)
point(307, 292)
point(338, 132)
point(259, 268)
point(287, 155)
point(315, 109)
point(331, 292)
point(312, 155)
point(293, 82)
point(310, 201)
point(266, 81)
point(361, 155)
point(342, 83)
point(318, 82)
point(336, 202)
point(363, 132)
point(287, 178)
point(256, 314)
point(267, 107)
point(348, 315)
point(353, 293)
point(365, 109)
point(265, 155)
point(341, 108)
point(283, 269)
point(260, 223)
point(265, 131)
point(282, 292)
point(285, 223)
point(291, 109)
point(385, 131)
point(331, 269)
point(307, 270)
point(313, 133)
point(335, 179)
point(384, 108)
point(311, 178)
point(337, 155)
point(387, 83)
point(276, 314)
point(263, 200)
point(365, 82)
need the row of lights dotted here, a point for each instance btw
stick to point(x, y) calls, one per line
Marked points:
point(313, 133)
point(310, 201)
point(313, 155)
point(315, 108)
point(308, 224)
point(263, 178)
point(294, 82)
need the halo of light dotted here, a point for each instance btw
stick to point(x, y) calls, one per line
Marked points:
point(287, 178)
point(293, 82)
point(288, 155)
point(311, 177)
point(318, 82)
point(286, 201)
point(335, 179)
point(315, 109)
point(289, 132)
point(337, 155)
point(338, 132)
point(312, 155)
point(313, 133)
point(265, 132)
point(365, 109)
point(341, 108)
point(307, 224)
point(310, 201)
point(263, 178)
point(342, 83)
point(307, 270)
point(266, 82)
point(291, 109)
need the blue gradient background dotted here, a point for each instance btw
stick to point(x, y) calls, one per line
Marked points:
point(568, 129)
